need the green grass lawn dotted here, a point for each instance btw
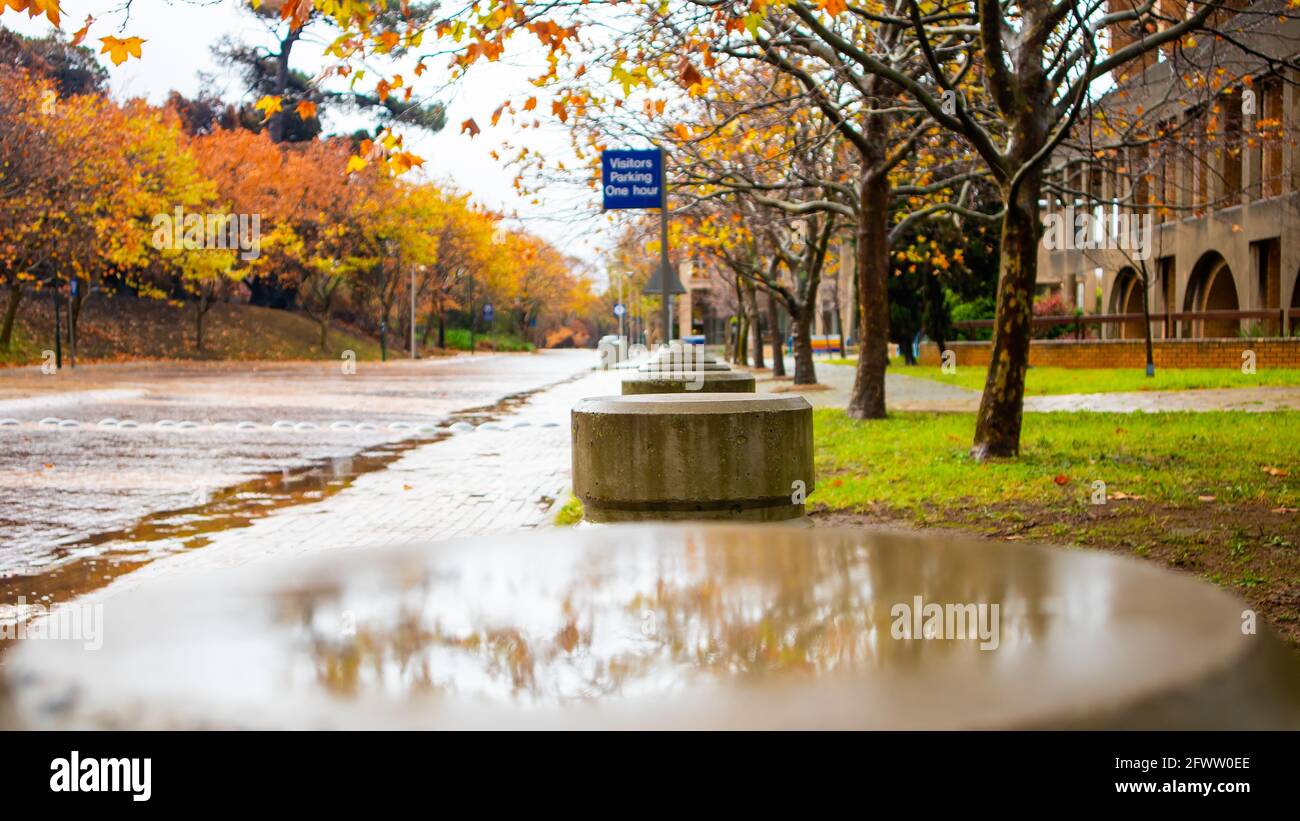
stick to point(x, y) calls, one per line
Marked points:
point(1047, 381)
point(1216, 494)
point(913, 460)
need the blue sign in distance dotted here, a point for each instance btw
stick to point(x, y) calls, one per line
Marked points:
point(619, 310)
point(631, 179)
point(488, 312)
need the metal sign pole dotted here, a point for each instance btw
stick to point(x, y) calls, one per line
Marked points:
point(667, 310)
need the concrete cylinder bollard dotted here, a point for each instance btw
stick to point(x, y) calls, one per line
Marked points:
point(693, 456)
point(1026, 637)
point(689, 382)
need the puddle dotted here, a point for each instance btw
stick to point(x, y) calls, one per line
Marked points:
point(85, 565)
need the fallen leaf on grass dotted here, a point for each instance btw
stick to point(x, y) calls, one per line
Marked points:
point(1061, 479)
point(1285, 510)
point(1206, 498)
point(1279, 472)
point(1119, 494)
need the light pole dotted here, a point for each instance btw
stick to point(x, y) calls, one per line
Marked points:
point(621, 335)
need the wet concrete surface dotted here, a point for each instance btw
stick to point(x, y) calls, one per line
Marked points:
point(163, 453)
point(667, 627)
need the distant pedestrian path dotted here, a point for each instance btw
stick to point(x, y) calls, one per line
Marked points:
point(909, 393)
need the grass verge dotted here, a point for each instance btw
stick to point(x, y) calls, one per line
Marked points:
point(1216, 494)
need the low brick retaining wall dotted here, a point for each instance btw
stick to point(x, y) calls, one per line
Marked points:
point(1131, 353)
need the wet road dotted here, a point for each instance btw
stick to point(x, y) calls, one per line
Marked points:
point(130, 452)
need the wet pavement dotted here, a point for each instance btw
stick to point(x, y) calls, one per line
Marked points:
point(108, 468)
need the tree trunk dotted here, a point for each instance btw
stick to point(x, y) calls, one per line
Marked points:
point(199, 311)
point(801, 322)
point(774, 324)
point(428, 328)
point(442, 326)
point(997, 427)
point(11, 314)
point(275, 128)
point(757, 324)
point(1146, 321)
point(868, 398)
point(936, 313)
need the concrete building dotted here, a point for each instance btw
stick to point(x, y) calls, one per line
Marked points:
point(1205, 185)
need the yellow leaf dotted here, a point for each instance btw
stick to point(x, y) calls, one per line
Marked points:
point(356, 164)
point(269, 105)
point(118, 50)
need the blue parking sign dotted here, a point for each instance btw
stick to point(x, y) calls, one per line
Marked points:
point(632, 179)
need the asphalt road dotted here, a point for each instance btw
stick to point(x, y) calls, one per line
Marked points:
point(91, 455)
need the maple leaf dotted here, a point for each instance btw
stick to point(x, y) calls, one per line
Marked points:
point(689, 75)
point(355, 164)
point(833, 7)
point(682, 132)
point(306, 110)
point(558, 109)
point(269, 105)
point(35, 7)
point(80, 34)
point(469, 126)
point(530, 104)
point(118, 50)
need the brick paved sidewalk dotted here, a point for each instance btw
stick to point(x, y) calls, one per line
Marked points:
point(488, 480)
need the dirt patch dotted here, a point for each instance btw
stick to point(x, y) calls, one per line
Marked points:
point(1251, 551)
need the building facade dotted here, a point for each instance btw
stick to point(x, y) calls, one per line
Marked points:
point(1199, 204)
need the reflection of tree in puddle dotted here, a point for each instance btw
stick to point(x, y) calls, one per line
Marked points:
point(602, 618)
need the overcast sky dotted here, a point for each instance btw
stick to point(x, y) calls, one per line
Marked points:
point(179, 38)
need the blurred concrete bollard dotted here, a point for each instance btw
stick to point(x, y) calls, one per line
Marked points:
point(687, 626)
point(689, 381)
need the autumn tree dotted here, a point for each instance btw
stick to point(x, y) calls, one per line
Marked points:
point(268, 74)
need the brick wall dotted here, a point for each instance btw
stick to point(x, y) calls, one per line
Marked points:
point(1131, 353)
